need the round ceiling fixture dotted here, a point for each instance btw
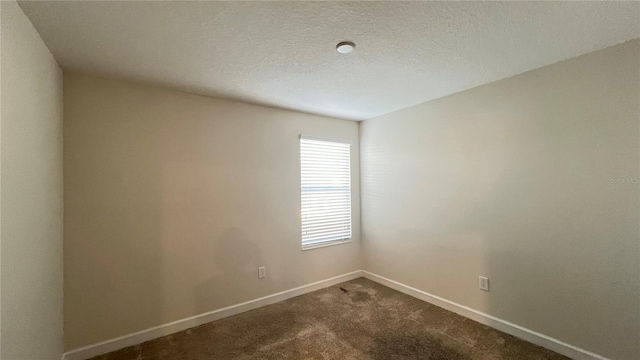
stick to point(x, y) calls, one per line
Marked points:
point(345, 47)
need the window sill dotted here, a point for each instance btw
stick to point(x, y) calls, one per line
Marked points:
point(321, 245)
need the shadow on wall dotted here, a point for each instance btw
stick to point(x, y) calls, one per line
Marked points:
point(169, 216)
point(218, 229)
point(531, 181)
point(110, 271)
point(563, 241)
point(237, 257)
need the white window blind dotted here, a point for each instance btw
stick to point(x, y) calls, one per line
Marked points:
point(325, 168)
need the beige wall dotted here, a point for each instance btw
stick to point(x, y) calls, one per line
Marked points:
point(173, 201)
point(511, 180)
point(31, 209)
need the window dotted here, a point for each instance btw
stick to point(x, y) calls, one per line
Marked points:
point(325, 173)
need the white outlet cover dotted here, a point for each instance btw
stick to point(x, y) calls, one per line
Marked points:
point(262, 272)
point(483, 283)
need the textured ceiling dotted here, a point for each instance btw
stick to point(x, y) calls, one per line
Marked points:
point(283, 53)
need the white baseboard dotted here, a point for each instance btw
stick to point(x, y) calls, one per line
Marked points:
point(531, 336)
point(139, 337)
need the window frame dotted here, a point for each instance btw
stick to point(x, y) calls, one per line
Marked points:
point(327, 243)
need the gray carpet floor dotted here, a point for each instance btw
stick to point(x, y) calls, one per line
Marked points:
point(358, 319)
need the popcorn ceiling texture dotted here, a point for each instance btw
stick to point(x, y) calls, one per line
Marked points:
point(283, 54)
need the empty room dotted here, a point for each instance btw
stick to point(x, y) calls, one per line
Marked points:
point(319, 180)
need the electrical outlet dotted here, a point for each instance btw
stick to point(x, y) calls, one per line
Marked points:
point(262, 272)
point(484, 283)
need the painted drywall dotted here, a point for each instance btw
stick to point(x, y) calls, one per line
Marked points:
point(532, 181)
point(173, 201)
point(31, 209)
